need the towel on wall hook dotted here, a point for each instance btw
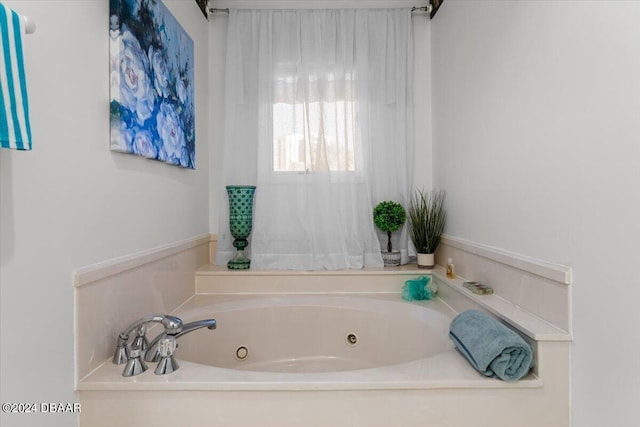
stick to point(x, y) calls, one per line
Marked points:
point(15, 128)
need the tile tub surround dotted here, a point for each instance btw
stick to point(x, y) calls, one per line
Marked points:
point(445, 384)
point(112, 294)
point(219, 280)
point(539, 287)
point(429, 391)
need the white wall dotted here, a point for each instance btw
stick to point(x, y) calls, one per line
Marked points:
point(72, 202)
point(423, 163)
point(536, 111)
point(217, 67)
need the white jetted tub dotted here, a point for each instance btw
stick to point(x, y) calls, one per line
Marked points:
point(315, 334)
point(370, 360)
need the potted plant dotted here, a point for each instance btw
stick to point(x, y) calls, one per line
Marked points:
point(427, 218)
point(388, 217)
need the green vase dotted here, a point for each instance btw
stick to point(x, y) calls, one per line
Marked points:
point(240, 221)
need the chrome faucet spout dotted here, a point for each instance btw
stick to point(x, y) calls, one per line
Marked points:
point(153, 353)
point(198, 324)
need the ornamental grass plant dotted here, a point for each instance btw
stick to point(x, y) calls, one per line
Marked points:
point(427, 218)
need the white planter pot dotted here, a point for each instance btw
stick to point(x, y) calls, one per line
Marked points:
point(391, 259)
point(426, 261)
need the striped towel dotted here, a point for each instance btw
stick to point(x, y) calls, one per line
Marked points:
point(15, 129)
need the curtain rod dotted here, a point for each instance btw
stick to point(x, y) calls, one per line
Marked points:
point(427, 9)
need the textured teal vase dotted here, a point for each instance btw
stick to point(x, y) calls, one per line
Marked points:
point(240, 220)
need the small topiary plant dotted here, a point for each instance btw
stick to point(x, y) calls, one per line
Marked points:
point(389, 216)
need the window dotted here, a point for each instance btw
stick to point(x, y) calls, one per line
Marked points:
point(318, 116)
point(316, 133)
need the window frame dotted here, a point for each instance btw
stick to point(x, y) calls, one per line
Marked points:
point(291, 77)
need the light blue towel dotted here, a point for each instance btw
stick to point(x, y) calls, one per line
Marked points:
point(492, 348)
point(15, 129)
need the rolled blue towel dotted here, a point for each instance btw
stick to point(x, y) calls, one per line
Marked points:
point(492, 348)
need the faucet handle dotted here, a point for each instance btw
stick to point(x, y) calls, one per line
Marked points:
point(135, 364)
point(141, 339)
point(121, 354)
point(172, 324)
point(167, 364)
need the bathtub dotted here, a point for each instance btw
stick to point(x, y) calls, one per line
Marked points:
point(315, 334)
point(315, 360)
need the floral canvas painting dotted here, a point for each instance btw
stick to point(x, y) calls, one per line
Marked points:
point(152, 85)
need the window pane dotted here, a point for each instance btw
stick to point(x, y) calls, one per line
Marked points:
point(313, 135)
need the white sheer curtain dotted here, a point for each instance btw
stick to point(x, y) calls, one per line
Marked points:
point(318, 117)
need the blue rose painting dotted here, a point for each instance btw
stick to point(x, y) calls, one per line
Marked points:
point(152, 93)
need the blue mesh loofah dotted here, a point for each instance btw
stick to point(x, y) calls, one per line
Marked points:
point(416, 289)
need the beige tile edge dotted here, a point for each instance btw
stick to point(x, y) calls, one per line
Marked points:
point(91, 273)
point(76, 316)
point(522, 319)
point(180, 260)
point(556, 272)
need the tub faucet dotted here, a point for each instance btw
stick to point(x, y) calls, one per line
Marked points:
point(156, 348)
point(133, 357)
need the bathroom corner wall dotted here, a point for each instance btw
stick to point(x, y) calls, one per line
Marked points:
point(213, 245)
point(536, 134)
point(113, 294)
point(217, 72)
point(72, 202)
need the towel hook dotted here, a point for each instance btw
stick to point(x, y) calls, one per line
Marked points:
point(29, 25)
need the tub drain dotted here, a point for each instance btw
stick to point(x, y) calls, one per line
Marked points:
point(352, 339)
point(241, 353)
